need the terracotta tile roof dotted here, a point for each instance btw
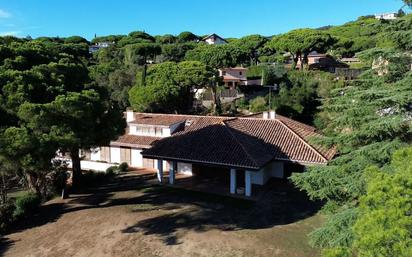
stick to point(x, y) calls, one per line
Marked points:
point(234, 68)
point(135, 141)
point(304, 131)
point(275, 138)
point(240, 142)
point(157, 119)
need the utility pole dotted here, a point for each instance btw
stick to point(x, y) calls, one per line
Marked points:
point(275, 87)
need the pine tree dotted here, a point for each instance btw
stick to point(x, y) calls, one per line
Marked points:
point(366, 121)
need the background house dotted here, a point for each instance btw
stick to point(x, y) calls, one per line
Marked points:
point(214, 39)
point(386, 16)
point(96, 47)
point(233, 77)
point(319, 61)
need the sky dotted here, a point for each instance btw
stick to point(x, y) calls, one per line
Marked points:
point(228, 18)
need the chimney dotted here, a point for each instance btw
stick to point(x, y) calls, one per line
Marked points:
point(129, 115)
point(265, 115)
point(272, 115)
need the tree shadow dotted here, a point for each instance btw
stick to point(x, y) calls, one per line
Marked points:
point(5, 244)
point(181, 210)
point(200, 212)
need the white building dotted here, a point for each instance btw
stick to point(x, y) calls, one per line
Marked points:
point(214, 39)
point(96, 47)
point(386, 16)
point(253, 149)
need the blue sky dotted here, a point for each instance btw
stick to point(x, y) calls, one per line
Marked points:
point(228, 18)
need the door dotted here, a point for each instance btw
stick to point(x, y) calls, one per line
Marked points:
point(114, 154)
point(137, 158)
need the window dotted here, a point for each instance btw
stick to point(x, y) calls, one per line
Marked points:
point(145, 130)
point(158, 131)
point(224, 73)
point(240, 73)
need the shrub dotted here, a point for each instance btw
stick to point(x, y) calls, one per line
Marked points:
point(6, 216)
point(112, 170)
point(92, 177)
point(258, 104)
point(26, 205)
point(123, 167)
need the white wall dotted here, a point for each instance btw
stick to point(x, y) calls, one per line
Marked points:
point(154, 131)
point(114, 154)
point(136, 158)
point(185, 168)
point(92, 165)
point(95, 154)
point(272, 170)
point(277, 169)
point(218, 41)
point(261, 177)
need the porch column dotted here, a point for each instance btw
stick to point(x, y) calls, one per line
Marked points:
point(248, 183)
point(160, 170)
point(172, 171)
point(233, 181)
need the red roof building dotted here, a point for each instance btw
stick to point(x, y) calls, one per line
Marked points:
point(259, 145)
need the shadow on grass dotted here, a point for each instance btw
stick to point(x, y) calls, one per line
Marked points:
point(187, 210)
point(180, 210)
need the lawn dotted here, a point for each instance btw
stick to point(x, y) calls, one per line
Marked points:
point(131, 217)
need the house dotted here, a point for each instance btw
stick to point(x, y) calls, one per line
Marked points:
point(214, 39)
point(318, 61)
point(233, 77)
point(245, 151)
point(386, 16)
point(96, 47)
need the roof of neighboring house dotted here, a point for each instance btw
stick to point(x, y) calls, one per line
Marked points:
point(247, 142)
point(316, 54)
point(229, 77)
point(157, 119)
point(215, 36)
point(351, 59)
point(234, 68)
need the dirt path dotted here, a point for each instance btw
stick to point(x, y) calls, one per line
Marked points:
point(129, 218)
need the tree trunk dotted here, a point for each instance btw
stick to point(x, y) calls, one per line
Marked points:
point(33, 183)
point(216, 99)
point(301, 62)
point(3, 189)
point(76, 168)
point(295, 61)
point(144, 72)
point(305, 58)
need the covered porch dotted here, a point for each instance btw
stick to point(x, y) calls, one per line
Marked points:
point(221, 180)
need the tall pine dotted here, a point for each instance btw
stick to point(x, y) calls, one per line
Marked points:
point(367, 121)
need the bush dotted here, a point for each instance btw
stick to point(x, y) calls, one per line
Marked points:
point(26, 205)
point(92, 177)
point(258, 104)
point(111, 171)
point(6, 216)
point(123, 167)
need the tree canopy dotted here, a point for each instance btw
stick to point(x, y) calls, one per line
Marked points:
point(167, 87)
point(366, 122)
point(383, 227)
point(301, 42)
point(51, 104)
